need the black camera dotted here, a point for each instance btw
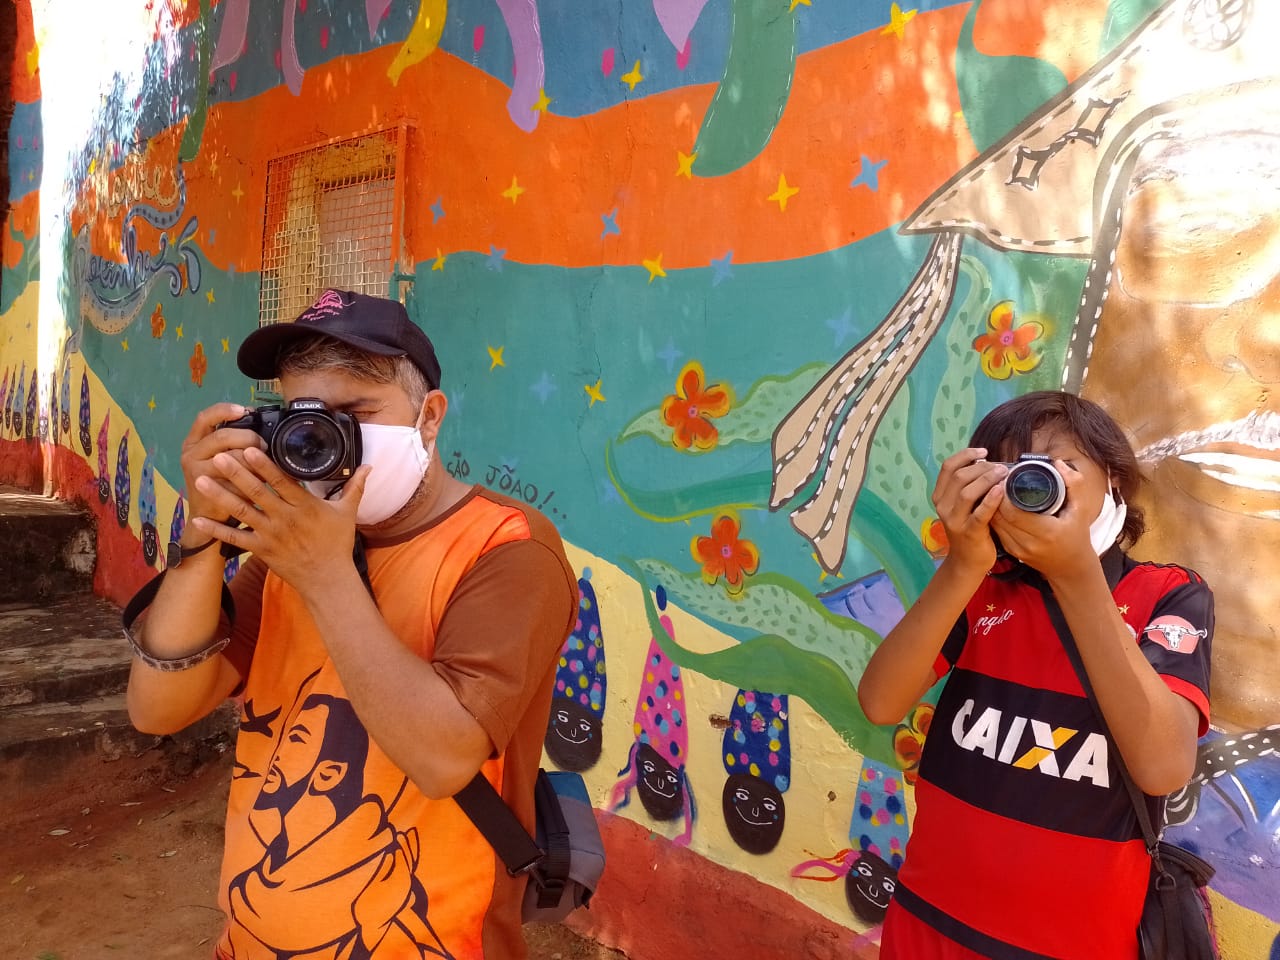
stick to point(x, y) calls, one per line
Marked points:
point(1034, 484)
point(306, 439)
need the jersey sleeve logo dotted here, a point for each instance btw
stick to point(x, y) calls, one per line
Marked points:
point(1174, 634)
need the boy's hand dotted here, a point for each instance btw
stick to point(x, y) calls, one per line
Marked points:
point(1055, 544)
point(969, 491)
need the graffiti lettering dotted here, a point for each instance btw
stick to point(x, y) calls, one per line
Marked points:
point(459, 469)
point(503, 478)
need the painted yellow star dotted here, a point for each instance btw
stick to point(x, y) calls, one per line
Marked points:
point(178, 331)
point(208, 295)
point(654, 267)
point(495, 357)
point(226, 345)
point(796, 3)
point(238, 192)
point(783, 193)
point(543, 102)
point(440, 260)
point(593, 391)
point(124, 344)
point(634, 76)
point(151, 404)
point(685, 161)
point(513, 192)
point(898, 20)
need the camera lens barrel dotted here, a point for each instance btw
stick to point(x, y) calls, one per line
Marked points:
point(1034, 485)
point(309, 445)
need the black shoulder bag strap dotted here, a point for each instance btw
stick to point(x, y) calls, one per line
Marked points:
point(1165, 883)
point(511, 841)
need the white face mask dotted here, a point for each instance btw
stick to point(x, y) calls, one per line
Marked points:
point(1104, 531)
point(399, 462)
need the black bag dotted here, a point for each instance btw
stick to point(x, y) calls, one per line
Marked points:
point(565, 863)
point(1176, 922)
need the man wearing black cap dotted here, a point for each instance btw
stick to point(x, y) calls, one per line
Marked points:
point(445, 648)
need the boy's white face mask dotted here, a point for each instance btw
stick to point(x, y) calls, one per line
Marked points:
point(1104, 531)
point(399, 462)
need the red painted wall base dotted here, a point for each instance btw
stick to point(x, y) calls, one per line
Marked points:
point(658, 901)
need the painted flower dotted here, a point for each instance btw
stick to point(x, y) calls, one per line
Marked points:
point(199, 364)
point(157, 322)
point(908, 740)
point(690, 409)
point(1006, 346)
point(934, 537)
point(724, 554)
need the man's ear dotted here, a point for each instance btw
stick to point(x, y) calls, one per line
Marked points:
point(328, 775)
point(431, 416)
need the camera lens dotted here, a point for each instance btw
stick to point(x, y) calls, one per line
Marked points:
point(308, 447)
point(1035, 487)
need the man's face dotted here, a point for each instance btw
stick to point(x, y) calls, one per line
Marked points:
point(1187, 358)
point(368, 402)
point(295, 759)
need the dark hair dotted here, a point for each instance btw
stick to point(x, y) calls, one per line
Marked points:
point(1006, 432)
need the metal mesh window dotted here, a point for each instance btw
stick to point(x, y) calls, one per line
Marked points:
point(332, 219)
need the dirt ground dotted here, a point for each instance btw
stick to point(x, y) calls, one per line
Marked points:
point(114, 866)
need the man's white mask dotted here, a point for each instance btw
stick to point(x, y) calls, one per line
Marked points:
point(399, 462)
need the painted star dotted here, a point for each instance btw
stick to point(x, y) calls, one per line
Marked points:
point(437, 210)
point(593, 391)
point(783, 193)
point(441, 259)
point(684, 163)
point(669, 354)
point(495, 357)
point(723, 269)
point(124, 345)
point(151, 404)
point(654, 267)
point(178, 330)
point(633, 76)
point(208, 295)
point(868, 173)
point(796, 3)
point(238, 192)
point(544, 387)
point(494, 262)
point(513, 192)
point(898, 20)
point(543, 101)
point(226, 345)
point(610, 221)
point(841, 326)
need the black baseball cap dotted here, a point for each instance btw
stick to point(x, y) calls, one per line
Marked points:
point(372, 324)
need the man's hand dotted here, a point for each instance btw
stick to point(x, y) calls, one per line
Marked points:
point(967, 495)
point(204, 442)
point(303, 539)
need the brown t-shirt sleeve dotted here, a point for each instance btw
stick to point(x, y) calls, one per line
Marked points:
point(502, 631)
point(246, 591)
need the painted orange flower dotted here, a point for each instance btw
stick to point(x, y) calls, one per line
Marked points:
point(725, 554)
point(908, 740)
point(157, 322)
point(1006, 346)
point(934, 537)
point(199, 364)
point(689, 410)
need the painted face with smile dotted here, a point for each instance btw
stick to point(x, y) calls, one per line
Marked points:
point(1187, 359)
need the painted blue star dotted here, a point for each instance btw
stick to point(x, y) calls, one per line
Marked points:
point(723, 269)
point(495, 258)
point(544, 387)
point(437, 210)
point(841, 326)
point(608, 492)
point(869, 174)
point(670, 354)
point(610, 221)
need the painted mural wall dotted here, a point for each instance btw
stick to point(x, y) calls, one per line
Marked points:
point(717, 285)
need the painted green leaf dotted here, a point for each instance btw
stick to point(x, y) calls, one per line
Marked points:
point(954, 404)
point(894, 474)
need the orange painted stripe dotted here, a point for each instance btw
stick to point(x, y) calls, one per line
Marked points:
point(1064, 32)
point(886, 98)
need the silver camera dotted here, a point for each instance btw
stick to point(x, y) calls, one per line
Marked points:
point(1035, 485)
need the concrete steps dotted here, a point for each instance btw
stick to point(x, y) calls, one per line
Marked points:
point(64, 662)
